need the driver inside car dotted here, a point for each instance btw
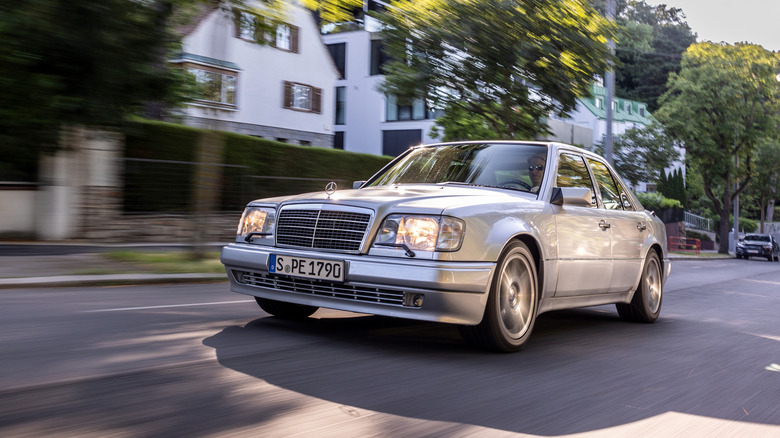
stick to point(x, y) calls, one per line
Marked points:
point(536, 171)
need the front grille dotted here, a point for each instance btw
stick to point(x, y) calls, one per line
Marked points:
point(322, 229)
point(321, 288)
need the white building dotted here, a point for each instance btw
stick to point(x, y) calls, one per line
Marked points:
point(366, 120)
point(281, 90)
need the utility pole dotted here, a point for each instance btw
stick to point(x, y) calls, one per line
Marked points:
point(610, 84)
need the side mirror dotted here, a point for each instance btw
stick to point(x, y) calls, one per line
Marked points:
point(579, 196)
point(357, 184)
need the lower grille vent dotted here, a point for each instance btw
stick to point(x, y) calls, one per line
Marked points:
point(321, 288)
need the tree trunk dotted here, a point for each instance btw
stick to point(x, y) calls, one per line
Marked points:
point(724, 229)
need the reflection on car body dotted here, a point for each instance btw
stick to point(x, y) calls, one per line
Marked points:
point(459, 233)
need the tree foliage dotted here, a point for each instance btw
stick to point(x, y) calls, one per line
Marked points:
point(722, 105)
point(507, 64)
point(87, 62)
point(649, 46)
point(642, 153)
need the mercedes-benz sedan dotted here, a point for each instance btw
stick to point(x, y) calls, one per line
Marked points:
point(486, 235)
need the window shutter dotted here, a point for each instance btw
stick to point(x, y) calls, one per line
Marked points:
point(271, 35)
point(259, 34)
point(236, 23)
point(288, 95)
point(316, 100)
point(294, 38)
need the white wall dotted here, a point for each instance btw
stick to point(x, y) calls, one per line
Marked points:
point(17, 211)
point(263, 70)
point(365, 105)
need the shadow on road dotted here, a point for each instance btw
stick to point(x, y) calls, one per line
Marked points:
point(583, 370)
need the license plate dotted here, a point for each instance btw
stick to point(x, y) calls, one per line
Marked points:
point(752, 251)
point(305, 267)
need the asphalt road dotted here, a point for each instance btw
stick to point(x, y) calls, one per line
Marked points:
point(197, 360)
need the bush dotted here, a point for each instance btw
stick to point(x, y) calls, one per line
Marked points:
point(696, 235)
point(656, 201)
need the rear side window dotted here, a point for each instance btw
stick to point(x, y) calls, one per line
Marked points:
point(608, 187)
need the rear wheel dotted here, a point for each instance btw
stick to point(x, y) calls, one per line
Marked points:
point(512, 304)
point(646, 304)
point(285, 310)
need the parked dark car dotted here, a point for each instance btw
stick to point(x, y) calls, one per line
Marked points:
point(758, 245)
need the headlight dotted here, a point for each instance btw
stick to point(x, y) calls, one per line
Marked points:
point(256, 222)
point(421, 233)
point(768, 246)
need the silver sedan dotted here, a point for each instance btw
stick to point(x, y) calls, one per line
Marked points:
point(486, 235)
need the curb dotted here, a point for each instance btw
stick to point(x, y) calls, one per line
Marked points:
point(107, 280)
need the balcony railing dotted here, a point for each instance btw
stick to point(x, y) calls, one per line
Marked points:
point(697, 222)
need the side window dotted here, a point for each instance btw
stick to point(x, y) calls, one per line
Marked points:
point(572, 172)
point(610, 192)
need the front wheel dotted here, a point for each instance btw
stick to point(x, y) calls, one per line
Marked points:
point(646, 304)
point(512, 303)
point(285, 310)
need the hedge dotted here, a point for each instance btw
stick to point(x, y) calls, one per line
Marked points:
point(161, 158)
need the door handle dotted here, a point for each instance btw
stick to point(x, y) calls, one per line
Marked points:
point(604, 224)
point(641, 227)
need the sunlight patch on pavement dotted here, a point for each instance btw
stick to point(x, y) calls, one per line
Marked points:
point(168, 306)
point(774, 367)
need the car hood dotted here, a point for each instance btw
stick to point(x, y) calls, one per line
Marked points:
point(756, 242)
point(411, 198)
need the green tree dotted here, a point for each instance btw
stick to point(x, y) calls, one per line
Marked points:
point(649, 46)
point(507, 64)
point(87, 62)
point(722, 104)
point(763, 188)
point(642, 154)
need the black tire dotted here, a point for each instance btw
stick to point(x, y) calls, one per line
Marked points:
point(645, 306)
point(770, 257)
point(739, 256)
point(512, 305)
point(284, 310)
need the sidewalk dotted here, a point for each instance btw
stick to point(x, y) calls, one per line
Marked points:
point(25, 265)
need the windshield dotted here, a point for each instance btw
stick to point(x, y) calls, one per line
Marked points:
point(484, 164)
point(757, 238)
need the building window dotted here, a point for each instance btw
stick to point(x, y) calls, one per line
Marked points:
point(338, 140)
point(614, 105)
point(215, 86)
point(642, 111)
point(339, 54)
point(599, 103)
point(302, 97)
point(406, 110)
point(394, 143)
point(628, 108)
point(250, 27)
point(247, 25)
point(341, 105)
point(378, 57)
point(286, 38)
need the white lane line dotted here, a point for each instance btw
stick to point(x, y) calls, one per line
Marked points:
point(120, 309)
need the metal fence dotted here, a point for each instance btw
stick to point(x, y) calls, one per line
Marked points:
point(697, 222)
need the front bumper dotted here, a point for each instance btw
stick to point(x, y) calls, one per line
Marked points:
point(753, 251)
point(451, 292)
